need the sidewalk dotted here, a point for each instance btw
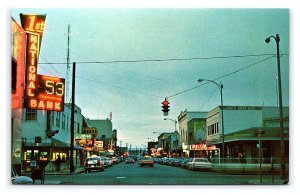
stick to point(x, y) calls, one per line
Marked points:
point(65, 172)
point(77, 170)
point(267, 181)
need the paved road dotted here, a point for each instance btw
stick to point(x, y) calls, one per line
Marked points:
point(132, 174)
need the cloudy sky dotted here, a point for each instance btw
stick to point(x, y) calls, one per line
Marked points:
point(168, 50)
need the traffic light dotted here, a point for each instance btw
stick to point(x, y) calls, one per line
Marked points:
point(165, 106)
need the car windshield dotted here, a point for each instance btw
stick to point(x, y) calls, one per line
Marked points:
point(93, 158)
point(201, 160)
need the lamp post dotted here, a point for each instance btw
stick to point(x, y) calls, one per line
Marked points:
point(174, 132)
point(173, 121)
point(220, 86)
point(282, 152)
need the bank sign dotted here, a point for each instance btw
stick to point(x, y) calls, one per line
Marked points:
point(41, 92)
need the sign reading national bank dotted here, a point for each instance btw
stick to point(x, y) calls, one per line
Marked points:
point(34, 27)
point(242, 108)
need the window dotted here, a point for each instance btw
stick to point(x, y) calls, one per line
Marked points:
point(67, 128)
point(63, 121)
point(103, 136)
point(78, 128)
point(58, 119)
point(31, 114)
point(52, 118)
point(213, 129)
point(13, 75)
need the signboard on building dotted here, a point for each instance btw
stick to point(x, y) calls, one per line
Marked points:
point(99, 144)
point(198, 146)
point(242, 108)
point(34, 27)
point(49, 94)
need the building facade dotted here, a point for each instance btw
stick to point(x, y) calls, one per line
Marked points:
point(244, 128)
point(191, 127)
point(45, 148)
point(105, 134)
point(17, 91)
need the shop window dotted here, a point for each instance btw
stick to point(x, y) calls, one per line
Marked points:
point(31, 114)
point(43, 156)
point(27, 155)
point(35, 154)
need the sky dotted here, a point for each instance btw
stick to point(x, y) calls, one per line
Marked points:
point(133, 91)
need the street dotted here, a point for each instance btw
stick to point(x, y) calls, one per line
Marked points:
point(132, 174)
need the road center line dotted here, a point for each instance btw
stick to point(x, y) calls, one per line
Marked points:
point(121, 177)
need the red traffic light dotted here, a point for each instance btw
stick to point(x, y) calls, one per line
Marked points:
point(165, 106)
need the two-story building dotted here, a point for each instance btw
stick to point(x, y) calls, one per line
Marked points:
point(244, 128)
point(191, 129)
point(45, 148)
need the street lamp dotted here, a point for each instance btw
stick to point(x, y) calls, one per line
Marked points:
point(176, 132)
point(220, 86)
point(277, 40)
point(173, 121)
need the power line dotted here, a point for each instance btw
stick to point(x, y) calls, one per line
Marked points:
point(50, 65)
point(165, 60)
point(120, 87)
point(223, 76)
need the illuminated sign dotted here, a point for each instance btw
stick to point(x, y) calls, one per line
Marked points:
point(33, 23)
point(99, 144)
point(50, 94)
point(34, 27)
point(198, 146)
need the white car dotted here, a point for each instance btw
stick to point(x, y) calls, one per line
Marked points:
point(17, 179)
point(199, 163)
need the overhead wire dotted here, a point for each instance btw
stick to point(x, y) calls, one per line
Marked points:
point(164, 60)
point(120, 87)
point(51, 66)
point(184, 91)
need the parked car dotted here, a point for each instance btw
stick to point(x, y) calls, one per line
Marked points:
point(129, 160)
point(199, 163)
point(107, 162)
point(115, 160)
point(184, 162)
point(146, 161)
point(17, 179)
point(94, 163)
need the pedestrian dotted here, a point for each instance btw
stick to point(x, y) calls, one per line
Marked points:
point(58, 161)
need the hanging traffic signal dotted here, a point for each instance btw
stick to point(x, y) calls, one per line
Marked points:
point(165, 106)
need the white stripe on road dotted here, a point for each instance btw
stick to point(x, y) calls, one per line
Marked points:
point(121, 177)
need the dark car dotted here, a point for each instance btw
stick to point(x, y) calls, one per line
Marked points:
point(129, 160)
point(94, 163)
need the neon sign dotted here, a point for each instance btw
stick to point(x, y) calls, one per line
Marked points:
point(34, 26)
point(49, 94)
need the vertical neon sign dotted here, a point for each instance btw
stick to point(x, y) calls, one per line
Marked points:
point(34, 26)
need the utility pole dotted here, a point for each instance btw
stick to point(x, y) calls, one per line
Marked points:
point(282, 146)
point(68, 66)
point(72, 121)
